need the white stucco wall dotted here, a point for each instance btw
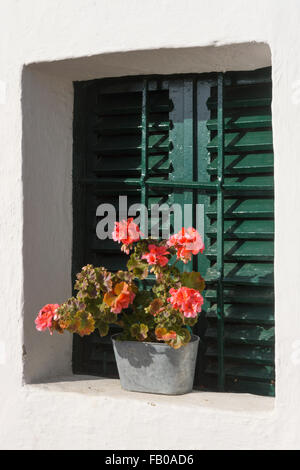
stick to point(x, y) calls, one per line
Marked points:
point(44, 46)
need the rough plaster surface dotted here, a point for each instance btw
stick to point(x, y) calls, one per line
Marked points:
point(44, 46)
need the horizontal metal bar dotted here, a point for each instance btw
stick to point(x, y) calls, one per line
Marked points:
point(184, 184)
point(109, 181)
point(197, 185)
point(153, 183)
point(245, 187)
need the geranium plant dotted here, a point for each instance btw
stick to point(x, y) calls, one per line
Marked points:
point(165, 313)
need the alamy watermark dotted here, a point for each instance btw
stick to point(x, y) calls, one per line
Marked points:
point(158, 221)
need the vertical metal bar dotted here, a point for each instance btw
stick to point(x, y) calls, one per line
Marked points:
point(220, 235)
point(203, 90)
point(144, 159)
point(187, 171)
point(176, 135)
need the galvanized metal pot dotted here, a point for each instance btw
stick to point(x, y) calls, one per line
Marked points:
point(156, 367)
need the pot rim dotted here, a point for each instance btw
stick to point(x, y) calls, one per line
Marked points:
point(194, 338)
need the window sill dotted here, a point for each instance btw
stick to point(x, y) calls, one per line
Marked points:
point(111, 388)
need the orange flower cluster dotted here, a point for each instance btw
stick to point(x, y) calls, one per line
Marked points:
point(120, 297)
point(162, 334)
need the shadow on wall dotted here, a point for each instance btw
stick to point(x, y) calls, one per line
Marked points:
point(246, 56)
point(47, 188)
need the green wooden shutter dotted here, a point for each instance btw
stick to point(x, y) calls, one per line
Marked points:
point(171, 139)
point(121, 138)
point(244, 332)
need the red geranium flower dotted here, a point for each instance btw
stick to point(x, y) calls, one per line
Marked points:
point(46, 316)
point(156, 255)
point(126, 232)
point(187, 301)
point(187, 242)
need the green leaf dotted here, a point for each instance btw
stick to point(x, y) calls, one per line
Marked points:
point(103, 327)
point(138, 267)
point(193, 280)
point(183, 338)
point(190, 321)
point(139, 331)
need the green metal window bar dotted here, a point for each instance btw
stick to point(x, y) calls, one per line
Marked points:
point(144, 157)
point(220, 236)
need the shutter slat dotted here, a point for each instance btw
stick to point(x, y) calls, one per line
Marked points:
point(244, 96)
point(242, 294)
point(256, 335)
point(245, 229)
point(245, 386)
point(255, 163)
point(247, 274)
point(245, 313)
point(124, 124)
point(244, 354)
point(245, 380)
point(244, 141)
point(111, 104)
point(244, 250)
point(252, 372)
point(251, 121)
point(244, 208)
point(255, 183)
point(130, 144)
point(241, 103)
point(130, 166)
